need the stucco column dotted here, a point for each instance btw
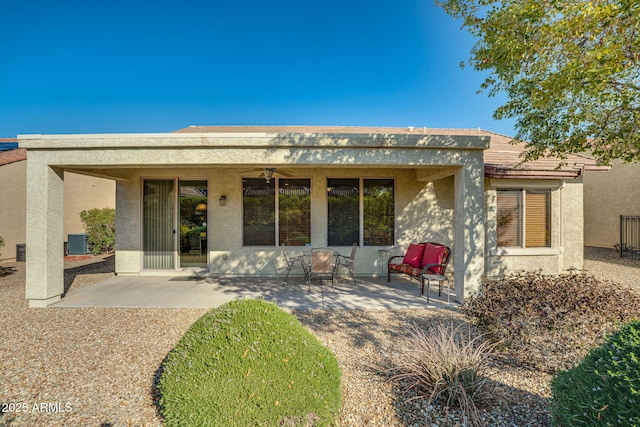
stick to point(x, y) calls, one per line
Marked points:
point(468, 248)
point(45, 228)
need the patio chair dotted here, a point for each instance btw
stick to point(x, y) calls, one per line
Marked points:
point(195, 244)
point(347, 261)
point(323, 264)
point(291, 261)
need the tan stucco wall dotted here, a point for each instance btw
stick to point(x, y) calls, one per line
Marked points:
point(424, 212)
point(607, 195)
point(80, 193)
point(83, 193)
point(13, 202)
point(566, 251)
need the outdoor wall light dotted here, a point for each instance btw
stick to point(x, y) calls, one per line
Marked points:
point(222, 200)
point(268, 174)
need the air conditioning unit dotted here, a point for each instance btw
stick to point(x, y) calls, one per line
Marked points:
point(77, 244)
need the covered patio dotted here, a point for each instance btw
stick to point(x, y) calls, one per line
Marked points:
point(209, 292)
point(199, 202)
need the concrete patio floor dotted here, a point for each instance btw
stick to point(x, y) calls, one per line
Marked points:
point(209, 292)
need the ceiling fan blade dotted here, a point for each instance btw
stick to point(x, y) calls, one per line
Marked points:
point(283, 173)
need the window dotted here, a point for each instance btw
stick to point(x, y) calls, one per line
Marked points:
point(294, 212)
point(523, 218)
point(379, 211)
point(348, 207)
point(293, 206)
point(343, 211)
point(259, 208)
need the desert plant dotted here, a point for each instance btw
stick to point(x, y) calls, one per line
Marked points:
point(604, 389)
point(551, 322)
point(100, 226)
point(249, 363)
point(445, 363)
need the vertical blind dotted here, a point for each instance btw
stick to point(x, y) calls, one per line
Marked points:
point(158, 222)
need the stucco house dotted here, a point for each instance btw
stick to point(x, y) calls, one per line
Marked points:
point(606, 197)
point(81, 192)
point(222, 199)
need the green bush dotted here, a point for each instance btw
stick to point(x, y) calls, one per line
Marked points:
point(604, 389)
point(100, 226)
point(249, 363)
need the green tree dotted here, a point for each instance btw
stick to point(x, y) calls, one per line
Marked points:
point(570, 70)
point(100, 225)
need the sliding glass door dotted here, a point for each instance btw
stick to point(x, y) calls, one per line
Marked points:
point(174, 224)
point(158, 224)
point(193, 223)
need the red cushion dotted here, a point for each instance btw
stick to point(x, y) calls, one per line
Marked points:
point(407, 269)
point(414, 255)
point(433, 254)
point(395, 267)
point(411, 271)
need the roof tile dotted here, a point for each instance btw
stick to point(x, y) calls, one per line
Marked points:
point(502, 158)
point(12, 156)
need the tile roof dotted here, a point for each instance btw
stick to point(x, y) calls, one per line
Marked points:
point(410, 130)
point(12, 156)
point(502, 159)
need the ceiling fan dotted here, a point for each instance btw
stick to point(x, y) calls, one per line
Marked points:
point(268, 173)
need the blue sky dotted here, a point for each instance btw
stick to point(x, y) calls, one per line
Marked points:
point(134, 66)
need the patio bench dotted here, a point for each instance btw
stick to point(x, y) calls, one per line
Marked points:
point(422, 261)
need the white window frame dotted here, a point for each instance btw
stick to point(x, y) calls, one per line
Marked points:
point(553, 188)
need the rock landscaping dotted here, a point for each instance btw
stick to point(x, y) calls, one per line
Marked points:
point(100, 366)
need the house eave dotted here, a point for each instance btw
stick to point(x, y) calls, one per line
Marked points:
point(255, 139)
point(497, 172)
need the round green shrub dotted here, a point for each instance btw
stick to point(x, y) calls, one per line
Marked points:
point(249, 363)
point(604, 389)
point(100, 226)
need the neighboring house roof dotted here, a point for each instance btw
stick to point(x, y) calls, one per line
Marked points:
point(8, 144)
point(12, 156)
point(502, 159)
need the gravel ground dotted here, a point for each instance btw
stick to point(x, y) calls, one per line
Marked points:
point(606, 264)
point(96, 367)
